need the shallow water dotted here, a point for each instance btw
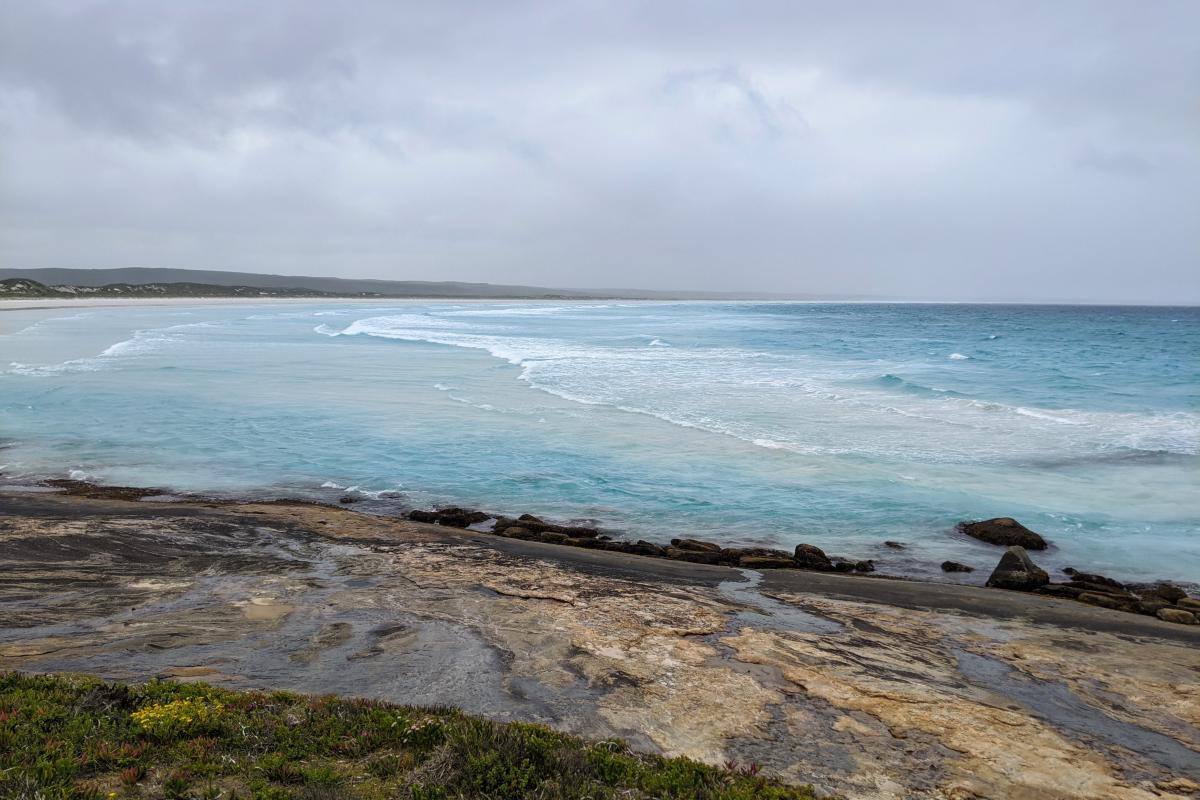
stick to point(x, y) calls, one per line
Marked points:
point(842, 425)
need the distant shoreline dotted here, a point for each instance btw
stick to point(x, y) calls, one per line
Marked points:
point(32, 304)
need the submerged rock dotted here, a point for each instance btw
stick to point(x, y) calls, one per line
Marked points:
point(1004, 531)
point(954, 566)
point(895, 545)
point(809, 556)
point(1017, 571)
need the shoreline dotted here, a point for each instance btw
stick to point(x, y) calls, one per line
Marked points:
point(1079, 587)
point(867, 688)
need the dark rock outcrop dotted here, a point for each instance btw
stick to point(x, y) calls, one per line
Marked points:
point(758, 558)
point(954, 566)
point(696, 545)
point(1167, 591)
point(809, 556)
point(1017, 571)
point(423, 516)
point(1107, 601)
point(1150, 605)
point(895, 545)
point(1088, 577)
point(532, 523)
point(1063, 590)
point(1004, 531)
point(695, 556)
point(347, 499)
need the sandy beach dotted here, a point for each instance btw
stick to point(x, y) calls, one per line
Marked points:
point(866, 687)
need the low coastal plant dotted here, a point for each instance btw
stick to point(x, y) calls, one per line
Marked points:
point(66, 737)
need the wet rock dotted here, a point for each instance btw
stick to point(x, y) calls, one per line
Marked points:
point(1017, 571)
point(1087, 577)
point(1177, 615)
point(518, 532)
point(841, 564)
point(1150, 606)
point(698, 545)
point(347, 499)
point(1167, 591)
point(587, 542)
point(809, 556)
point(1188, 604)
point(1106, 601)
point(895, 545)
point(765, 562)
point(96, 491)
point(642, 548)
point(1063, 590)
point(549, 537)
point(759, 558)
point(954, 566)
point(423, 516)
point(1102, 588)
point(455, 517)
point(1004, 531)
point(532, 523)
point(694, 556)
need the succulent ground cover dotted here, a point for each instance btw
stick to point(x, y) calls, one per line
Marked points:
point(80, 737)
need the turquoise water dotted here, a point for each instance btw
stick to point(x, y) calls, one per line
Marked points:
point(842, 425)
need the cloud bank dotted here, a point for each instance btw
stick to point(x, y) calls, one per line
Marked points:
point(925, 149)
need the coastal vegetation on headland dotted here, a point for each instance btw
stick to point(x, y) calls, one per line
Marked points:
point(80, 737)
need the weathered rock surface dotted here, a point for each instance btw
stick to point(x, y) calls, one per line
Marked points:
point(954, 566)
point(1004, 531)
point(1017, 571)
point(881, 702)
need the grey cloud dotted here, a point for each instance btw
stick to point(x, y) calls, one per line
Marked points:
point(937, 149)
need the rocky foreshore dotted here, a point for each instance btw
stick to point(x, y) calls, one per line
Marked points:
point(864, 688)
point(1015, 570)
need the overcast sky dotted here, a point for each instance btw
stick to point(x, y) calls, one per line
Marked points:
point(935, 149)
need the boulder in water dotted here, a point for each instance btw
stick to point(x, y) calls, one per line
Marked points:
point(1017, 571)
point(1004, 531)
point(954, 566)
point(808, 556)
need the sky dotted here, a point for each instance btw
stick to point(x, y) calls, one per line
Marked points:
point(942, 150)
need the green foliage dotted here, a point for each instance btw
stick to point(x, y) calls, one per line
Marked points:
point(78, 738)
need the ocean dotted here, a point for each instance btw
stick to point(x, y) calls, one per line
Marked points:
point(842, 425)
